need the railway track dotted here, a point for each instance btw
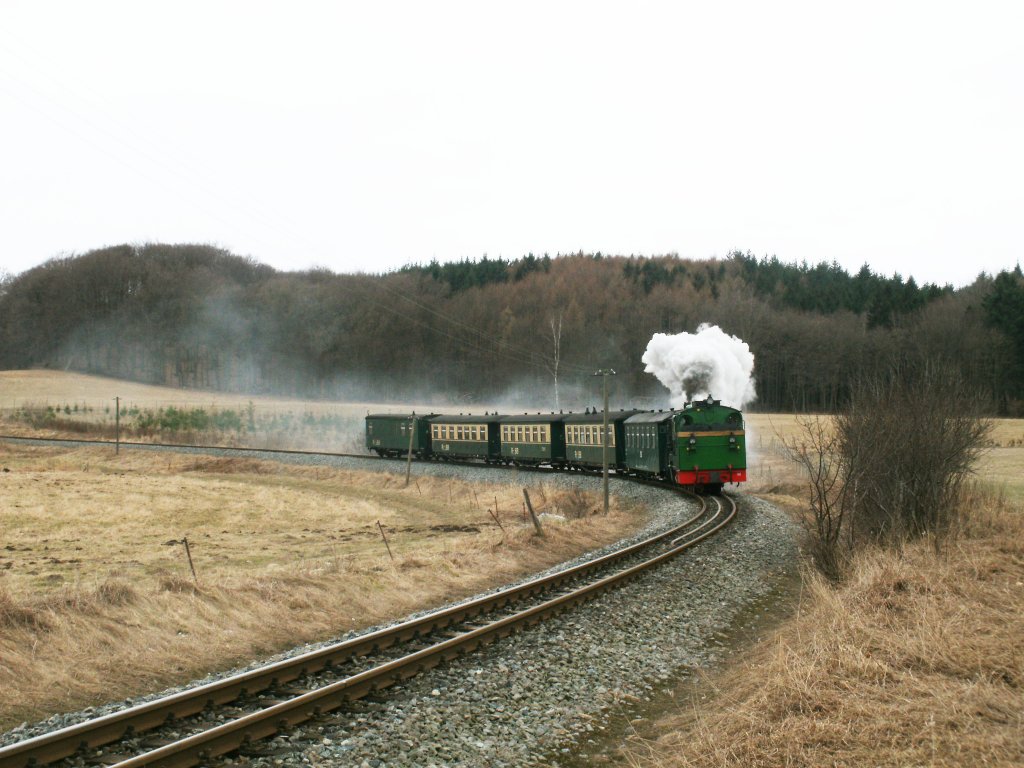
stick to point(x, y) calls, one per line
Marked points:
point(222, 716)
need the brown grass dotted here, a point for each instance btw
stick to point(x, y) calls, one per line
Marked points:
point(97, 600)
point(917, 660)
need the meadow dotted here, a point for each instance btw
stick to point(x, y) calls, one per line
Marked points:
point(913, 660)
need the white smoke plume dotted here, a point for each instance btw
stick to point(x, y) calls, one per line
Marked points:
point(696, 365)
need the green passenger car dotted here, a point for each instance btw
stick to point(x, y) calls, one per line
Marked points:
point(466, 437)
point(583, 443)
point(649, 442)
point(387, 434)
point(533, 439)
point(710, 445)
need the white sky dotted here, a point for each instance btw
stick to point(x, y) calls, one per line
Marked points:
point(362, 136)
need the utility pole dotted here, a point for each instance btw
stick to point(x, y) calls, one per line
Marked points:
point(117, 428)
point(605, 372)
point(408, 466)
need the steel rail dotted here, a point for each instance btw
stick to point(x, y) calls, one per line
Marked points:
point(56, 745)
point(228, 737)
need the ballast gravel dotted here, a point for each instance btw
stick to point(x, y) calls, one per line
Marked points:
point(540, 697)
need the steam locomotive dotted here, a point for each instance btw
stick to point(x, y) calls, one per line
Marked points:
point(701, 446)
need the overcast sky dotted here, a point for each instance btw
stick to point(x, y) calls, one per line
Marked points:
point(363, 136)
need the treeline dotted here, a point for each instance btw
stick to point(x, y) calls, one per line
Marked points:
point(197, 316)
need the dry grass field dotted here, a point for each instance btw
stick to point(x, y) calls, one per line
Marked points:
point(916, 660)
point(97, 600)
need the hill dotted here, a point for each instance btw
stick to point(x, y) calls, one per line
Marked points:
point(199, 317)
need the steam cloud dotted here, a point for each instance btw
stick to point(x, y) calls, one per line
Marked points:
point(696, 365)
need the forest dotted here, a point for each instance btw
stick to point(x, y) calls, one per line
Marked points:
point(492, 329)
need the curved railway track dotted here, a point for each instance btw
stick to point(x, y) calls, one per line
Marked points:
point(222, 716)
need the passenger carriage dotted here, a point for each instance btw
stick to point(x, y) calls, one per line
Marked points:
point(533, 439)
point(648, 442)
point(583, 443)
point(466, 437)
point(387, 434)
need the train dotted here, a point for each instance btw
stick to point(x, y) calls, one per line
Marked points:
point(701, 446)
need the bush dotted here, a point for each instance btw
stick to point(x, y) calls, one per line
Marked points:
point(892, 465)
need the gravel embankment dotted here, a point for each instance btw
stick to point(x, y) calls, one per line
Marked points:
point(539, 695)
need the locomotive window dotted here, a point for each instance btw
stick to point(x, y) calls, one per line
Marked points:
point(483, 432)
point(535, 434)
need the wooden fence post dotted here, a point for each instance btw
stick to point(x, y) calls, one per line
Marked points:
point(533, 515)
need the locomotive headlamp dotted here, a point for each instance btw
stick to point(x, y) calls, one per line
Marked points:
point(732, 441)
point(693, 441)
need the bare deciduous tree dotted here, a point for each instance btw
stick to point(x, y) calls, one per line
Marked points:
point(553, 362)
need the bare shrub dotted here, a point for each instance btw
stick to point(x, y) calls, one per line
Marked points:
point(831, 502)
point(892, 466)
point(912, 440)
